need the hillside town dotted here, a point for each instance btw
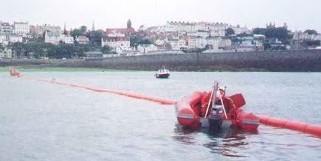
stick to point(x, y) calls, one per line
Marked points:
point(22, 40)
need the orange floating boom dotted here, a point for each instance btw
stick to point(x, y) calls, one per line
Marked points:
point(118, 92)
point(291, 125)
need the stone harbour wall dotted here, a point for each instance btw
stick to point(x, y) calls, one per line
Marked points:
point(296, 61)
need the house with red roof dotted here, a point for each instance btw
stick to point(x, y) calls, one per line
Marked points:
point(118, 39)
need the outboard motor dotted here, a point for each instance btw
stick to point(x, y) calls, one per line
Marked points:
point(215, 120)
point(216, 110)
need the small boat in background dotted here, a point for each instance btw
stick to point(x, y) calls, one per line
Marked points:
point(162, 73)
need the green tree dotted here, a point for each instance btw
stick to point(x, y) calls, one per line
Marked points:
point(75, 33)
point(129, 24)
point(280, 33)
point(136, 40)
point(1, 47)
point(106, 50)
point(260, 31)
point(229, 32)
point(18, 49)
point(95, 37)
point(311, 43)
point(83, 30)
point(311, 32)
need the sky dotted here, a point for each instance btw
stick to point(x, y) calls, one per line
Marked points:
point(298, 14)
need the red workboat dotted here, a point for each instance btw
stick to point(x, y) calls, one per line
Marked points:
point(214, 109)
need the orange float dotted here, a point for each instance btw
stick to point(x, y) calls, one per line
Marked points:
point(291, 125)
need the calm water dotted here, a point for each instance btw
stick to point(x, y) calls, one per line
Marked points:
point(46, 122)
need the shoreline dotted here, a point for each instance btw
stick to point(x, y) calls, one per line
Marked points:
point(277, 61)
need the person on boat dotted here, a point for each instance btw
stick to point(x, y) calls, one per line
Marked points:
point(206, 97)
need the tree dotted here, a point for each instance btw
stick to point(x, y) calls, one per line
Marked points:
point(311, 32)
point(75, 33)
point(311, 43)
point(18, 49)
point(129, 24)
point(106, 49)
point(259, 31)
point(1, 47)
point(229, 32)
point(83, 30)
point(95, 37)
point(136, 40)
point(280, 33)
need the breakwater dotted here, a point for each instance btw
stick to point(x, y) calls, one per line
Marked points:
point(298, 60)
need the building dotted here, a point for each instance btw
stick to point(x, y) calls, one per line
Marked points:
point(21, 28)
point(225, 44)
point(199, 33)
point(82, 40)
point(300, 36)
point(52, 37)
point(56, 38)
point(249, 43)
point(118, 39)
point(15, 38)
point(213, 42)
point(4, 39)
point(147, 48)
point(5, 53)
point(6, 28)
point(213, 29)
point(39, 30)
point(67, 39)
point(240, 30)
point(196, 42)
point(177, 44)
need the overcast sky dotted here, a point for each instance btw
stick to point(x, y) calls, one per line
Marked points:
point(299, 14)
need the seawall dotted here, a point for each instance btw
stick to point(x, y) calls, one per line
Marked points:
point(299, 60)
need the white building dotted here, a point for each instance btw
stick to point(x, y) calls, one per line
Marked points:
point(117, 39)
point(214, 42)
point(4, 39)
point(21, 28)
point(250, 43)
point(6, 53)
point(160, 42)
point(215, 29)
point(6, 28)
point(52, 37)
point(299, 35)
point(177, 44)
point(199, 33)
point(56, 38)
point(41, 29)
point(217, 33)
point(82, 40)
point(146, 48)
point(196, 42)
point(67, 39)
point(15, 38)
point(240, 30)
point(225, 44)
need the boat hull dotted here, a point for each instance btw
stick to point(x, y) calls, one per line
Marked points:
point(189, 114)
point(163, 75)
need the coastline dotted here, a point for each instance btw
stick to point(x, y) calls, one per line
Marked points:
point(276, 61)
